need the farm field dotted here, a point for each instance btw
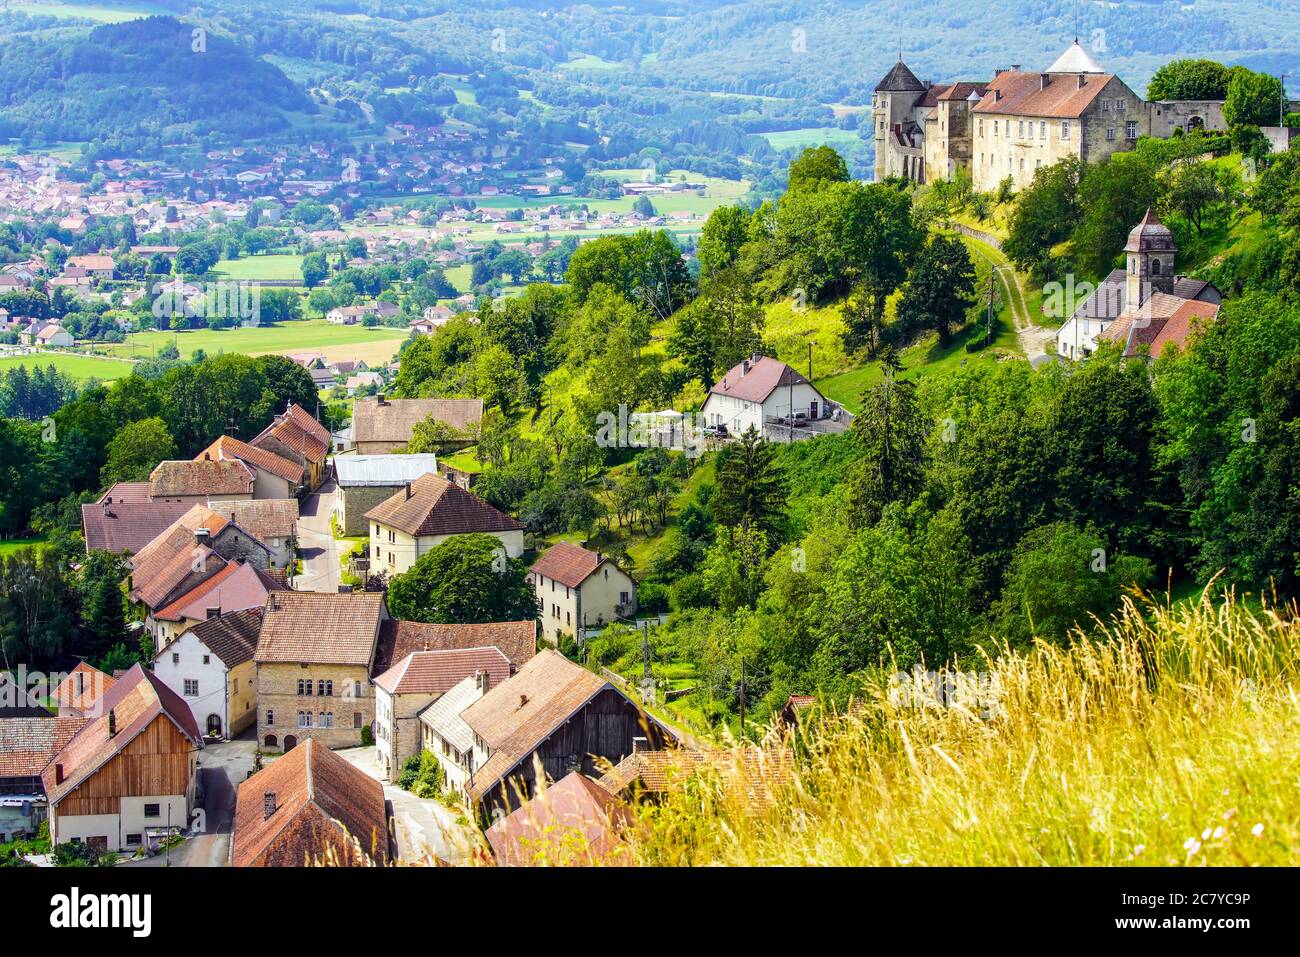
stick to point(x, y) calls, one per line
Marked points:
point(334, 342)
point(101, 13)
point(812, 136)
point(71, 364)
point(282, 266)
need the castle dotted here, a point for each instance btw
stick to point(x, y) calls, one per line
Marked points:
point(1018, 122)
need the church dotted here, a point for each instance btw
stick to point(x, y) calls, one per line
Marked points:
point(1017, 122)
point(1145, 307)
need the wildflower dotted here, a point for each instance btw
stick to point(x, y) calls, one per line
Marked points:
point(1139, 849)
point(1218, 833)
point(1191, 846)
point(1257, 830)
point(1205, 835)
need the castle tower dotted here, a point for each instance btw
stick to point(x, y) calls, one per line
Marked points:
point(891, 107)
point(1150, 268)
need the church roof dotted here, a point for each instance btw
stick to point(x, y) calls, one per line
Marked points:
point(1150, 235)
point(900, 80)
point(1075, 59)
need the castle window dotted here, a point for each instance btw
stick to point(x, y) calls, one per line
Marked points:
point(995, 127)
point(1021, 129)
point(981, 128)
point(1110, 133)
point(1065, 129)
point(1121, 106)
point(1155, 267)
point(1042, 130)
point(1105, 106)
point(1131, 130)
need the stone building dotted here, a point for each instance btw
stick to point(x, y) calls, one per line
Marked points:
point(314, 657)
point(365, 481)
point(1017, 122)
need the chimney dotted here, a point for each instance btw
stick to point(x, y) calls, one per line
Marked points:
point(268, 804)
point(640, 743)
point(58, 774)
point(1043, 80)
point(207, 457)
point(480, 680)
point(1082, 80)
point(1015, 68)
point(201, 536)
point(408, 490)
point(108, 506)
point(270, 600)
point(112, 723)
point(382, 399)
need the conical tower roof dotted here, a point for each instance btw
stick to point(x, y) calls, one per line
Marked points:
point(1075, 59)
point(900, 80)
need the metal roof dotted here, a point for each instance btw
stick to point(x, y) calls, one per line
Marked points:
point(389, 470)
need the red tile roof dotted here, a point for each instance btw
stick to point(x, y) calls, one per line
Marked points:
point(297, 433)
point(229, 448)
point(437, 672)
point(1024, 94)
point(325, 810)
point(753, 380)
point(236, 587)
point(574, 822)
point(517, 640)
point(232, 637)
point(27, 745)
point(320, 627)
point(133, 702)
point(434, 506)
point(203, 477)
point(125, 528)
point(568, 564)
point(82, 688)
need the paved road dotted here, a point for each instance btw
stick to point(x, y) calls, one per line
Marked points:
point(320, 550)
point(222, 766)
point(424, 828)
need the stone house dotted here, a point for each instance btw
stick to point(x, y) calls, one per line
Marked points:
point(382, 425)
point(365, 481)
point(314, 659)
point(211, 667)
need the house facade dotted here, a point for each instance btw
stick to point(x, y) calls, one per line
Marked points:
point(758, 391)
point(129, 774)
point(428, 512)
point(365, 481)
point(314, 657)
point(210, 666)
point(578, 588)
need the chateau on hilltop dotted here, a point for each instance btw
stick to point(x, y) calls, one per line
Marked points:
point(1018, 122)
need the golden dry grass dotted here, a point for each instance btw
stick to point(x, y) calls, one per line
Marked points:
point(1168, 737)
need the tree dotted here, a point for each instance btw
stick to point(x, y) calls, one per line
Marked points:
point(891, 434)
point(1195, 190)
point(136, 449)
point(940, 288)
point(465, 580)
point(1044, 215)
point(1113, 195)
point(725, 232)
point(1060, 577)
point(1253, 99)
point(750, 489)
point(315, 269)
point(102, 603)
point(435, 435)
point(1189, 80)
point(817, 166)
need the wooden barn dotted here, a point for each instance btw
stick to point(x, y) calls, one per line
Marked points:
point(127, 777)
point(556, 712)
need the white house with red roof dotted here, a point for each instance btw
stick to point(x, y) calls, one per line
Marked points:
point(760, 392)
point(578, 588)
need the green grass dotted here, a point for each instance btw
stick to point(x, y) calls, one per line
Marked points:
point(71, 364)
point(278, 266)
point(11, 545)
point(334, 341)
point(102, 13)
point(813, 136)
point(591, 63)
point(465, 460)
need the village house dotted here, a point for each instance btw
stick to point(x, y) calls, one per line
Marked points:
point(79, 692)
point(1146, 305)
point(97, 266)
point(273, 475)
point(314, 657)
point(556, 714)
point(197, 481)
point(758, 392)
point(27, 744)
point(573, 823)
point(366, 480)
point(211, 666)
point(296, 435)
point(426, 513)
point(126, 519)
point(578, 588)
point(128, 775)
point(381, 425)
point(417, 681)
point(311, 807)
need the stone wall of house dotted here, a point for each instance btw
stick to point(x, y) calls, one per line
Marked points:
point(233, 545)
point(355, 501)
point(278, 704)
